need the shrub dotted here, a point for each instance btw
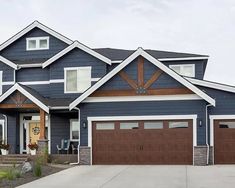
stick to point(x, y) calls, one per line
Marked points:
point(4, 145)
point(37, 169)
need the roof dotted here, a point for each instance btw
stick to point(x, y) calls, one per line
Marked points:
point(210, 84)
point(29, 93)
point(74, 45)
point(121, 54)
point(29, 28)
point(143, 53)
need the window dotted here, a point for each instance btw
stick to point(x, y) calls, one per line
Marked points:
point(184, 70)
point(74, 130)
point(227, 125)
point(129, 125)
point(37, 43)
point(77, 79)
point(177, 124)
point(153, 125)
point(105, 126)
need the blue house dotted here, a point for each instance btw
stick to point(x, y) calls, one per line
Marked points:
point(115, 106)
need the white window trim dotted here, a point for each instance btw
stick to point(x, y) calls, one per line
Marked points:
point(182, 68)
point(153, 117)
point(65, 75)
point(70, 130)
point(37, 43)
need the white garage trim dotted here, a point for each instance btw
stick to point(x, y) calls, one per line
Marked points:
point(153, 117)
point(212, 118)
point(217, 117)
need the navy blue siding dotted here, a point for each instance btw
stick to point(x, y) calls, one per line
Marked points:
point(145, 108)
point(200, 66)
point(60, 128)
point(8, 72)
point(164, 81)
point(13, 132)
point(32, 74)
point(17, 50)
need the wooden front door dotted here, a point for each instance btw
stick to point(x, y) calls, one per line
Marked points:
point(34, 132)
point(142, 142)
point(224, 139)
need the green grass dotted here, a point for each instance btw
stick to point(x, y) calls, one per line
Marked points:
point(3, 174)
point(9, 174)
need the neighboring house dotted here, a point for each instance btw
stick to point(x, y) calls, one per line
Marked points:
point(121, 106)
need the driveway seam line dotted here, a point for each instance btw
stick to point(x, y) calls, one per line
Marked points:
point(114, 177)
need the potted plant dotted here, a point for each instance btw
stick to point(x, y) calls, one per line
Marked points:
point(33, 148)
point(4, 148)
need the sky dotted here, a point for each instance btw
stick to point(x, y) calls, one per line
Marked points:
point(195, 26)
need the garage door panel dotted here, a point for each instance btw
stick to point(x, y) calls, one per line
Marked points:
point(224, 140)
point(143, 142)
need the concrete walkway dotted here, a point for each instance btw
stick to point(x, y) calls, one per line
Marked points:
point(140, 177)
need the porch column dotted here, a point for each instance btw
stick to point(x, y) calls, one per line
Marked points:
point(43, 142)
point(42, 124)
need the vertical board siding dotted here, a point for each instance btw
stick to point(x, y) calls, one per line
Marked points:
point(13, 132)
point(60, 128)
point(145, 108)
point(17, 50)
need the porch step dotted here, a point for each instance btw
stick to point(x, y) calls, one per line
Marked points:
point(13, 159)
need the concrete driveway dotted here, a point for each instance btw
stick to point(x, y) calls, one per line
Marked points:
point(140, 176)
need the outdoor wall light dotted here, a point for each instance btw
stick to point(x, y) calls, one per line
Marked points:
point(84, 125)
point(200, 123)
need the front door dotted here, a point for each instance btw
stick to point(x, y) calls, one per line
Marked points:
point(34, 132)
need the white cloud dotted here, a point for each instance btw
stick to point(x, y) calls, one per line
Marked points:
point(196, 26)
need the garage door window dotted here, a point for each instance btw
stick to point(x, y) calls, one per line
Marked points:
point(227, 125)
point(153, 125)
point(129, 125)
point(104, 126)
point(177, 124)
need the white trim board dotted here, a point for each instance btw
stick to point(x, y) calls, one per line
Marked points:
point(26, 93)
point(217, 117)
point(29, 28)
point(141, 52)
point(78, 45)
point(143, 98)
point(8, 62)
point(153, 117)
point(172, 59)
point(213, 85)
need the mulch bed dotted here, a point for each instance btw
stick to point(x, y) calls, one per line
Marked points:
point(28, 177)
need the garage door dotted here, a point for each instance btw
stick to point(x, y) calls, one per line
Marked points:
point(142, 142)
point(224, 131)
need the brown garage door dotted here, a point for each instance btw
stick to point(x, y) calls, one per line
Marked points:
point(224, 141)
point(142, 142)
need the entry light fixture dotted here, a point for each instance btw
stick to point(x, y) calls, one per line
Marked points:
point(84, 124)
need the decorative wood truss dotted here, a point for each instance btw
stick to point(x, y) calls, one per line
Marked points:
point(140, 87)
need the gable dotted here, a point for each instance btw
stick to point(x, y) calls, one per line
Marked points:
point(17, 50)
point(141, 78)
point(141, 52)
point(17, 98)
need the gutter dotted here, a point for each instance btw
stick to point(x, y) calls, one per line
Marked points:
point(78, 147)
point(207, 144)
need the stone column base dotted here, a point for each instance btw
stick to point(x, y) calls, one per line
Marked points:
point(85, 155)
point(200, 155)
point(42, 147)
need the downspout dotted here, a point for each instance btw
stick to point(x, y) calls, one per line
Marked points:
point(79, 134)
point(207, 143)
point(5, 129)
